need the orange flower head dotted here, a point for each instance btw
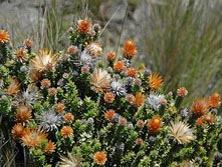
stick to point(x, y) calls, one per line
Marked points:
point(28, 43)
point(119, 66)
point(45, 83)
point(17, 130)
point(110, 115)
point(32, 138)
point(129, 49)
point(200, 106)
point(68, 117)
point(4, 36)
point(50, 147)
point(214, 100)
point(131, 72)
point(66, 131)
point(21, 53)
point(35, 75)
point(109, 97)
point(23, 113)
point(155, 81)
point(84, 26)
point(155, 124)
point(111, 56)
point(199, 121)
point(139, 99)
point(209, 119)
point(60, 107)
point(182, 92)
point(13, 88)
point(72, 50)
point(100, 158)
point(52, 91)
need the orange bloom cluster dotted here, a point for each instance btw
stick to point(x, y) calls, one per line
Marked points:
point(67, 131)
point(109, 97)
point(119, 66)
point(131, 72)
point(109, 115)
point(111, 56)
point(155, 124)
point(13, 88)
point(18, 130)
point(139, 99)
point(33, 137)
point(182, 92)
point(200, 106)
point(100, 158)
point(60, 107)
point(68, 117)
point(155, 81)
point(50, 147)
point(84, 26)
point(28, 43)
point(21, 53)
point(129, 49)
point(23, 113)
point(214, 100)
point(4, 36)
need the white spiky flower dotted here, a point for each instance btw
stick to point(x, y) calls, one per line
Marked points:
point(155, 101)
point(181, 132)
point(100, 80)
point(49, 120)
point(118, 88)
point(69, 161)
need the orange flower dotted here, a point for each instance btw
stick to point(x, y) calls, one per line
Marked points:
point(129, 49)
point(60, 107)
point(52, 91)
point(21, 53)
point(111, 56)
point(131, 72)
point(13, 87)
point(214, 100)
point(119, 66)
point(66, 131)
point(209, 119)
point(45, 83)
point(72, 50)
point(109, 97)
point(68, 117)
point(23, 113)
point(50, 147)
point(155, 81)
point(109, 115)
point(200, 106)
point(17, 130)
point(199, 121)
point(182, 92)
point(155, 124)
point(4, 36)
point(100, 158)
point(84, 26)
point(33, 137)
point(139, 99)
point(28, 43)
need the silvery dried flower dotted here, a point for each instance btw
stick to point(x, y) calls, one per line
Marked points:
point(129, 81)
point(69, 161)
point(29, 96)
point(49, 120)
point(155, 101)
point(65, 75)
point(118, 88)
point(90, 121)
point(184, 112)
point(181, 132)
point(85, 58)
point(60, 82)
